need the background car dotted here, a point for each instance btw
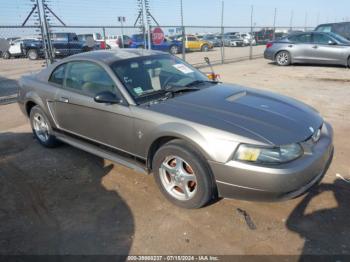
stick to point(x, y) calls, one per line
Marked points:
point(247, 38)
point(309, 47)
point(342, 29)
point(115, 41)
point(193, 43)
point(96, 37)
point(232, 41)
point(171, 46)
point(213, 39)
point(19, 47)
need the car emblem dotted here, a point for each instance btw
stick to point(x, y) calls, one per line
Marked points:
point(311, 129)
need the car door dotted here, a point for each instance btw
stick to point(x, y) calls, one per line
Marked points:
point(327, 50)
point(76, 112)
point(300, 47)
point(16, 47)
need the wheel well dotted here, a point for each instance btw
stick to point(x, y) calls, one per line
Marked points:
point(155, 146)
point(280, 52)
point(29, 107)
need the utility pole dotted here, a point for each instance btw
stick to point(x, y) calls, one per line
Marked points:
point(121, 19)
point(291, 20)
point(222, 48)
point(251, 33)
point(318, 18)
point(274, 24)
point(183, 51)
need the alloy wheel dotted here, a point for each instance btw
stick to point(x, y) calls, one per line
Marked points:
point(178, 178)
point(41, 128)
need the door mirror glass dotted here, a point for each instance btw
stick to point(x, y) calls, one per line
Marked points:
point(107, 97)
point(330, 42)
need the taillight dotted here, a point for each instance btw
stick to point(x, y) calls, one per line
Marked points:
point(269, 44)
point(102, 45)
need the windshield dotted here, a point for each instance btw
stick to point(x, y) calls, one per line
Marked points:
point(146, 77)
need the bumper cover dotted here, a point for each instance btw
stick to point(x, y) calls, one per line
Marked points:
point(249, 182)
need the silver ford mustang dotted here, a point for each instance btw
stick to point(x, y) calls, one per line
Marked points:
point(201, 139)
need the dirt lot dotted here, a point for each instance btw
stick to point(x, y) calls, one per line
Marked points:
point(66, 201)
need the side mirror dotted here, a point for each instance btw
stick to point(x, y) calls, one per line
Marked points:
point(330, 42)
point(107, 97)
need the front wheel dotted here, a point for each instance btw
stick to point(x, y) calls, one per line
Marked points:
point(6, 55)
point(41, 128)
point(174, 50)
point(205, 48)
point(183, 175)
point(283, 58)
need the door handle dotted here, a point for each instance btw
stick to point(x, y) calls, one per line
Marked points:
point(64, 100)
point(315, 47)
point(290, 46)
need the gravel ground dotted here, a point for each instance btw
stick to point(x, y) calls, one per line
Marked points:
point(65, 201)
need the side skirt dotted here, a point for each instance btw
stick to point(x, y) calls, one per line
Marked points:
point(105, 152)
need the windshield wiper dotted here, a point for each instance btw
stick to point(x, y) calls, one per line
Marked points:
point(179, 89)
point(200, 82)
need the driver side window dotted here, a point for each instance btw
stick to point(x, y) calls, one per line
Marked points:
point(88, 78)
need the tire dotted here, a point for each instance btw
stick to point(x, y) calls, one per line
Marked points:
point(32, 54)
point(349, 61)
point(41, 128)
point(205, 48)
point(199, 188)
point(6, 55)
point(283, 58)
point(173, 50)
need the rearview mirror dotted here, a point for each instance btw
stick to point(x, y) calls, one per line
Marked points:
point(107, 97)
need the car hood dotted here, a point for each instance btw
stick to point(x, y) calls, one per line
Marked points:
point(259, 115)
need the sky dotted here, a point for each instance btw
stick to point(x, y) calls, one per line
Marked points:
point(196, 12)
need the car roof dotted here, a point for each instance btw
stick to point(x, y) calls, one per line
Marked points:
point(111, 56)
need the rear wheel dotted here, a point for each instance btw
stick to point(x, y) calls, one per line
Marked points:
point(205, 48)
point(349, 61)
point(182, 175)
point(283, 58)
point(173, 50)
point(41, 128)
point(32, 54)
point(6, 55)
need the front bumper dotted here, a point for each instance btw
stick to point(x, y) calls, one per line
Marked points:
point(251, 182)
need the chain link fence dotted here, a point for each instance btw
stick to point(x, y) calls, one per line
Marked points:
point(39, 36)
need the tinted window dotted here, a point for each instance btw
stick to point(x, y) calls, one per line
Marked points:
point(57, 75)
point(321, 39)
point(303, 38)
point(324, 28)
point(88, 78)
point(191, 38)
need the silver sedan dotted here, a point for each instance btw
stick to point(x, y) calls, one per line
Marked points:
point(309, 47)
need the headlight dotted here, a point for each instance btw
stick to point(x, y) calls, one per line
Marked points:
point(265, 155)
